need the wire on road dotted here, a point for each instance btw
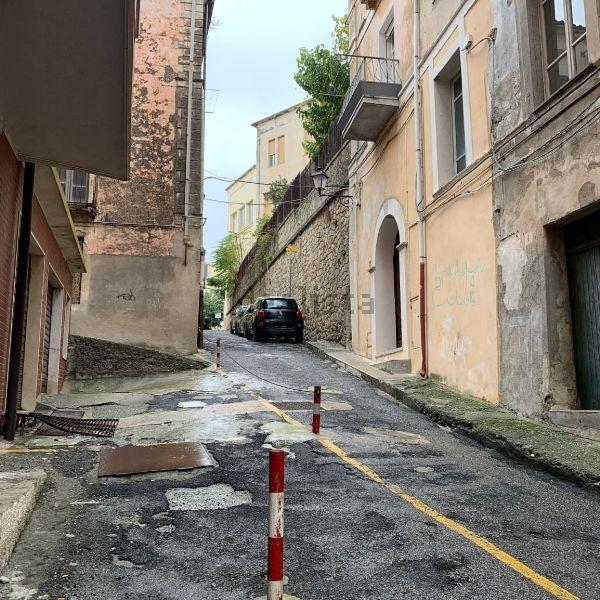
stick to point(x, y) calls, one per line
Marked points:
point(285, 387)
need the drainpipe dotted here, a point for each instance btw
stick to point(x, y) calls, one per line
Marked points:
point(188, 142)
point(20, 298)
point(419, 186)
point(202, 267)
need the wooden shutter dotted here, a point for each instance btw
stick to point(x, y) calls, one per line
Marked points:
point(281, 149)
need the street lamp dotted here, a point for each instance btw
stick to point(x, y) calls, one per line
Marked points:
point(320, 179)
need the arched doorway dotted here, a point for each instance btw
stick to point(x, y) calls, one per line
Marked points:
point(389, 282)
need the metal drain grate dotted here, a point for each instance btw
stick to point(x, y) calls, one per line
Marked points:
point(95, 427)
point(293, 405)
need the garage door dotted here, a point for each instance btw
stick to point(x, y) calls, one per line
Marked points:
point(47, 330)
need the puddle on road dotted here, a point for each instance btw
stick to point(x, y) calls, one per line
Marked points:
point(282, 435)
point(214, 497)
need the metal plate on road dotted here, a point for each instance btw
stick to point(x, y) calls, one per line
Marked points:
point(133, 460)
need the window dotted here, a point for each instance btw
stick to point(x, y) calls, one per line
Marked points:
point(458, 126)
point(451, 141)
point(250, 213)
point(233, 223)
point(564, 41)
point(390, 53)
point(242, 219)
point(75, 185)
point(272, 160)
point(281, 149)
point(279, 303)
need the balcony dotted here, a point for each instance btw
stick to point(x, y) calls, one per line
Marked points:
point(372, 99)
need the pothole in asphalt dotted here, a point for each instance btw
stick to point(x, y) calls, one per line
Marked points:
point(282, 435)
point(403, 437)
point(218, 496)
point(129, 521)
point(166, 529)
point(119, 562)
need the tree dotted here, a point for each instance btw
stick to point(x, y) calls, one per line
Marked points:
point(213, 305)
point(325, 75)
point(227, 261)
point(276, 192)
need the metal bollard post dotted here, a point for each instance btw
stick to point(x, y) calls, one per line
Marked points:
point(218, 353)
point(316, 421)
point(275, 546)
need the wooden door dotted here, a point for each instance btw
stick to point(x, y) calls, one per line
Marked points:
point(582, 240)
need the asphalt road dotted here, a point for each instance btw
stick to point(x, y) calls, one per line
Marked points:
point(347, 536)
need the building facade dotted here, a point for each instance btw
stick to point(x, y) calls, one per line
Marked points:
point(40, 255)
point(142, 239)
point(475, 224)
point(545, 97)
point(279, 155)
point(244, 208)
point(422, 252)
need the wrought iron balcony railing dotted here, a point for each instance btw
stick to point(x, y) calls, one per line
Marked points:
point(374, 78)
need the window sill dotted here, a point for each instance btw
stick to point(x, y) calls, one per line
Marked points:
point(564, 91)
point(459, 176)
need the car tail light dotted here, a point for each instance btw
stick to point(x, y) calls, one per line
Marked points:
point(260, 314)
point(299, 314)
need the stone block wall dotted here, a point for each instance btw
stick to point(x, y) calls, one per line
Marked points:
point(316, 273)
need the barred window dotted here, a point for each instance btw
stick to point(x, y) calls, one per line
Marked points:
point(75, 185)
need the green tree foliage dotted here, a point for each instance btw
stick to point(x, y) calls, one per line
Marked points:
point(276, 192)
point(213, 305)
point(325, 76)
point(227, 260)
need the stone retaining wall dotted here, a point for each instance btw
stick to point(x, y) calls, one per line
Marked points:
point(318, 230)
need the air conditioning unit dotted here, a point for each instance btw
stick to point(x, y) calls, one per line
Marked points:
point(370, 4)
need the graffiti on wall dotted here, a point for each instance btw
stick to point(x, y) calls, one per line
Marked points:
point(457, 283)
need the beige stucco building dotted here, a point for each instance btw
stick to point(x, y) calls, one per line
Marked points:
point(244, 208)
point(279, 155)
point(445, 323)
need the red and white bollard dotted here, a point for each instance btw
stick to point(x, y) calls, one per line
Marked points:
point(275, 547)
point(218, 353)
point(316, 422)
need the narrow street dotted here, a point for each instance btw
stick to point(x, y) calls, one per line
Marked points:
point(347, 536)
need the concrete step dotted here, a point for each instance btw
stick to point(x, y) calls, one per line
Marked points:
point(18, 494)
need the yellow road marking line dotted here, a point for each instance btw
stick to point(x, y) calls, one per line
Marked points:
point(552, 588)
point(25, 450)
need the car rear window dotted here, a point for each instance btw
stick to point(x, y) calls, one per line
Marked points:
point(280, 303)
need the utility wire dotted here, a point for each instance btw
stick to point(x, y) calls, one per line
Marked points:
point(285, 387)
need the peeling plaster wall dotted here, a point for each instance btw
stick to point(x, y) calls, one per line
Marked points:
point(461, 313)
point(137, 289)
point(532, 203)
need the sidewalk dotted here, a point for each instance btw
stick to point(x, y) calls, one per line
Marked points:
point(539, 443)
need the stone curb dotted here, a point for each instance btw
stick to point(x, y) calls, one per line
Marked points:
point(540, 444)
point(18, 495)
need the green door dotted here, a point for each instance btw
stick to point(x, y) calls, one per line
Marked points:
point(582, 240)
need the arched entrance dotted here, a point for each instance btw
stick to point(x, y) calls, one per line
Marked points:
point(389, 281)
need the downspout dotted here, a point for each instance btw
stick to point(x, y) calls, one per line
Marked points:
point(188, 142)
point(202, 267)
point(419, 186)
point(20, 298)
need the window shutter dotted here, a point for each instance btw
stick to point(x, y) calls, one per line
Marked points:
point(271, 147)
point(281, 149)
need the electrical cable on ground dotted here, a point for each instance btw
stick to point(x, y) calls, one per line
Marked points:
point(285, 387)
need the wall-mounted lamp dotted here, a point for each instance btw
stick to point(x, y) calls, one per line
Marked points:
point(320, 179)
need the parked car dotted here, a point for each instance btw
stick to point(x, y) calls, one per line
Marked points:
point(236, 320)
point(274, 317)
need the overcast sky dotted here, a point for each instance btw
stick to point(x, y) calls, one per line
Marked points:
point(251, 62)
